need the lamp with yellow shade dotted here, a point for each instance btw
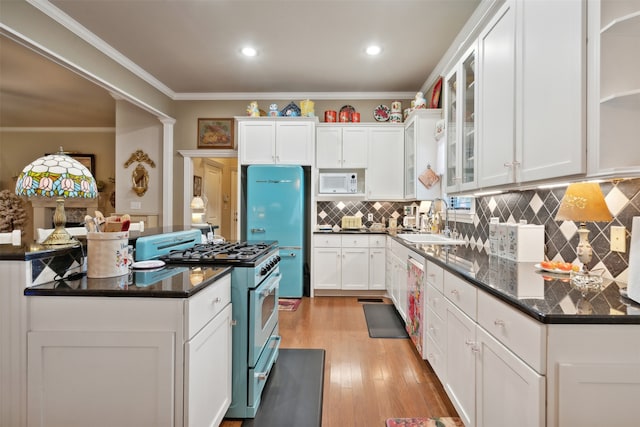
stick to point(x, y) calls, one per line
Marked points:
point(582, 202)
point(57, 176)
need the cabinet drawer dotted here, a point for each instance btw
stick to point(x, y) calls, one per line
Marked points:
point(436, 329)
point(519, 333)
point(377, 241)
point(435, 276)
point(206, 304)
point(461, 293)
point(354, 241)
point(436, 302)
point(327, 241)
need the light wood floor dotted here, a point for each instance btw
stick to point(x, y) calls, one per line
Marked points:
point(366, 380)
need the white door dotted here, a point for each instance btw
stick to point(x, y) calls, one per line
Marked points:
point(233, 233)
point(212, 190)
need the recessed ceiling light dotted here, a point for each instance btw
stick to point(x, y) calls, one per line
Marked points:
point(249, 51)
point(373, 50)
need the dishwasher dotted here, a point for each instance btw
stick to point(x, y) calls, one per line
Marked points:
point(415, 301)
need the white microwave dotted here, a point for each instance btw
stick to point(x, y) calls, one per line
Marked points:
point(338, 183)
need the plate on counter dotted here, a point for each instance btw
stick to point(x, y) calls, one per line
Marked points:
point(554, 270)
point(381, 113)
point(146, 265)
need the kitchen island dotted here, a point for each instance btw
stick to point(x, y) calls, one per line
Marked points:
point(127, 350)
point(513, 345)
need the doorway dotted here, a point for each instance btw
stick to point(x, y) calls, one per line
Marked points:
point(220, 187)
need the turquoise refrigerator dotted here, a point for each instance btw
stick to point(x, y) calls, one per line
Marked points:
point(275, 211)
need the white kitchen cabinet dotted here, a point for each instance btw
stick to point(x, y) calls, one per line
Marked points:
point(207, 384)
point(130, 361)
point(583, 377)
point(435, 309)
point(420, 153)
point(349, 262)
point(460, 100)
point(327, 261)
point(81, 378)
point(341, 146)
point(508, 391)
point(613, 88)
point(288, 141)
point(489, 351)
point(496, 97)
point(377, 262)
point(461, 364)
point(529, 132)
point(398, 256)
point(384, 176)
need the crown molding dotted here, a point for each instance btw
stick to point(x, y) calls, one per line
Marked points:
point(52, 129)
point(79, 30)
point(253, 96)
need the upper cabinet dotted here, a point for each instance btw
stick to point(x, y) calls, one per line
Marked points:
point(288, 141)
point(384, 177)
point(341, 146)
point(460, 99)
point(614, 87)
point(421, 154)
point(531, 79)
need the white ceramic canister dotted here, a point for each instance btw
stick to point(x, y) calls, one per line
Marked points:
point(396, 107)
point(107, 254)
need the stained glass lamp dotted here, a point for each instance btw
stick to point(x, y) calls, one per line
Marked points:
point(60, 176)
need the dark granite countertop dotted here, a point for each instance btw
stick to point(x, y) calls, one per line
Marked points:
point(359, 231)
point(168, 282)
point(547, 297)
point(29, 251)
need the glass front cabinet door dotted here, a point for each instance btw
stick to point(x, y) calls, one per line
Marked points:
point(460, 109)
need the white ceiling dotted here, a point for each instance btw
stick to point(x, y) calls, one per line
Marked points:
point(189, 49)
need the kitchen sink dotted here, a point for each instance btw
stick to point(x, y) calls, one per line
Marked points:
point(430, 239)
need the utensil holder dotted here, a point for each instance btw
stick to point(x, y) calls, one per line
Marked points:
point(107, 254)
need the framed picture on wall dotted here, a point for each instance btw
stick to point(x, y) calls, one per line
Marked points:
point(197, 186)
point(215, 133)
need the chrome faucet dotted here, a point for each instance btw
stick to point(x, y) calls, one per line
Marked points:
point(446, 231)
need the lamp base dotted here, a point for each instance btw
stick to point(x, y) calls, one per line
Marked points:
point(59, 236)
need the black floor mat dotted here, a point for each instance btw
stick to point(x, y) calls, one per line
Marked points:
point(383, 321)
point(370, 300)
point(293, 394)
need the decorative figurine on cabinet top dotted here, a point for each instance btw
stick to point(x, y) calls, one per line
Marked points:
point(420, 101)
point(273, 110)
point(253, 110)
point(307, 108)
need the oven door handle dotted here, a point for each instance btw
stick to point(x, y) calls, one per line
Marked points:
point(265, 374)
point(273, 286)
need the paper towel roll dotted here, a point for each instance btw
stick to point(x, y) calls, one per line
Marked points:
point(633, 287)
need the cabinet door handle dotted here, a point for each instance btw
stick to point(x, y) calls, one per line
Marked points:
point(469, 342)
point(499, 322)
point(216, 300)
point(455, 292)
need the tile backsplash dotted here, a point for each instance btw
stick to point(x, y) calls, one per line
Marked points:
point(536, 207)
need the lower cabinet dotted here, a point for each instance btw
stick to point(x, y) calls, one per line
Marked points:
point(508, 391)
point(461, 363)
point(489, 383)
point(349, 262)
point(99, 361)
point(207, 384)
point(80, 378)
